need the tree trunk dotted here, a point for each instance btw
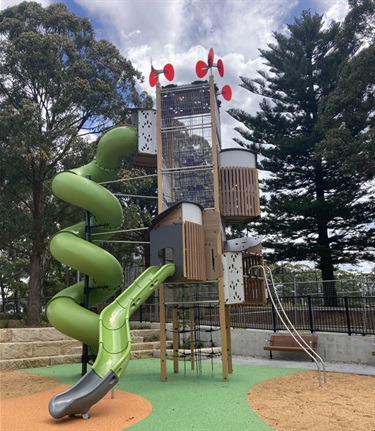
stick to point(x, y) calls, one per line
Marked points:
point(3, 298)
point(326, 266)
point(325, 255)
point(34, 308)
point(146, 252)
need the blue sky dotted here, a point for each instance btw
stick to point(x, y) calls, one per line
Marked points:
point(181, 32)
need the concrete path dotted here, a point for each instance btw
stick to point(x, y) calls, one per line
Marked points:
point(339, 367)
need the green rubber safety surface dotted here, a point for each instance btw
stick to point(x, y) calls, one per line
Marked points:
point(190, 400)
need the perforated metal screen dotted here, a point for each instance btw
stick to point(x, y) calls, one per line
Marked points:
point(187, 144)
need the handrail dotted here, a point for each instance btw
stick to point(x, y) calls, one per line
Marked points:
point(296, 336)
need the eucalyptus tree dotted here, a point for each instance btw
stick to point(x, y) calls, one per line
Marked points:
point(136, 190)
point(57, 83)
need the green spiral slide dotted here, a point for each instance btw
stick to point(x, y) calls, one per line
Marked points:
point(108, 334)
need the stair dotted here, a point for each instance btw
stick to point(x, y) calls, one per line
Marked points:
point(43, 347)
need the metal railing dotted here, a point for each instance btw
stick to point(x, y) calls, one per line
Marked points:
point(350, 315)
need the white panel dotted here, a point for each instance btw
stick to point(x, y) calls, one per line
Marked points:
point(192, 213)
point(239, 244)
point(237, 158)
point(233, 278)
point(147, 131)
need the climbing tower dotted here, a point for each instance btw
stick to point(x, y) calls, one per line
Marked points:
point(201, 188)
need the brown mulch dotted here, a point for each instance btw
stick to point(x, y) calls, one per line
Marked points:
point(296, 402)
point(24, 406)
point(18, 383)
point(289, 403)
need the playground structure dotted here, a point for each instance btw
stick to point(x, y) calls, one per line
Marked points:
point(201, 189)
point(107, 334)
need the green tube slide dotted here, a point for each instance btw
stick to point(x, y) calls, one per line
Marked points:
point(108, 334)
point(79, 187)
point(114, 347)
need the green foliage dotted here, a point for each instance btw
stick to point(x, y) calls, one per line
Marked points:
point(58, 83)
point(186, 344)
point(313, 130)
point(13, 287)
point(346, 116)
point(137, 193)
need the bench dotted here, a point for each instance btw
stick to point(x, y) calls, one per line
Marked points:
point(286, 343)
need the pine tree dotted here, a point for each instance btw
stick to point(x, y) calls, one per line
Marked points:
point(312, 210)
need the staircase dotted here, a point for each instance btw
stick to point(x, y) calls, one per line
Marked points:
point(43, 347)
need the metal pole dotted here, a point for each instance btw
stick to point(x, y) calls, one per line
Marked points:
point(274, 318)
point(347, 315)
point(364, 308)
point(310, 314)
point(86, 290)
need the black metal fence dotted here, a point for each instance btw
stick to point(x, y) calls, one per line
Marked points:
point(350, 315)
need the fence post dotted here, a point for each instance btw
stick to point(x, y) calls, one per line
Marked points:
point(347, 315)
point(273, 318)
point(310, 314)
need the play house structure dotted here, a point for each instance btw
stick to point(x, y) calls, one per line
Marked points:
point(201, 189)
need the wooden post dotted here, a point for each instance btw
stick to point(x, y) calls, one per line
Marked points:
point(176, 335)
point(159, 155)
point(163, 334)
point(192, 339)
point(163, 320)
point(223, 313)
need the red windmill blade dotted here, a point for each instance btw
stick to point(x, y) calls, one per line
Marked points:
point(210, 57)
point(201, 67)
point(220, 67)
point(168, 72)
point(154, 77)
point(226, 92)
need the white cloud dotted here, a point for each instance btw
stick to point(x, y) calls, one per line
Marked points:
point(335, 10)
point(9, 3)
point(182, 31)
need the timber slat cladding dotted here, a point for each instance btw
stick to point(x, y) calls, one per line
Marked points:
point(195, 263)
point(212, 231)
point(239, 194)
